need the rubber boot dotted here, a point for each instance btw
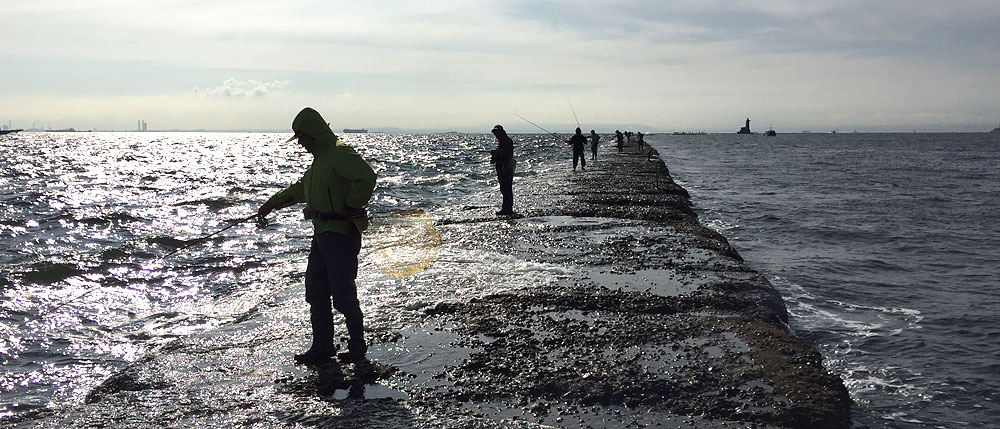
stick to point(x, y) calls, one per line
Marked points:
point(322, 348)
point(356, 346)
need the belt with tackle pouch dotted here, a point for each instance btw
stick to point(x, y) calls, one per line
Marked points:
point(360, 220)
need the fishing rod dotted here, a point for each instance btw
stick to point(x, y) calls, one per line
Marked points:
point(539, 126)
point(261, 222)
point(574, 112)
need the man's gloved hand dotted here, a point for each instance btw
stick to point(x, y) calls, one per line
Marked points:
point(265, 209)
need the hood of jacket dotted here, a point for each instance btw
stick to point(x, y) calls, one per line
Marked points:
point(310, 122)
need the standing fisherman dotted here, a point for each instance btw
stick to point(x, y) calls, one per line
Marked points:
point(578, 140)
point(336, 188)
point(503, 158)
point(594, 140)
point(619, 138)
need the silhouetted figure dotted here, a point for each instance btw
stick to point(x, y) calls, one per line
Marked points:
point(620, 138)
point(336, 188)
point(640, 141)
point(503, 159)
point(594, 140)
point(578, 141)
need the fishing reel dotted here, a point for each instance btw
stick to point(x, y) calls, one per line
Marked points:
point(261, 222)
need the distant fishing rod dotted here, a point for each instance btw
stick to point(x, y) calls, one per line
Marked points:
point(261, 222)
point(574, 112)
point(539, 126)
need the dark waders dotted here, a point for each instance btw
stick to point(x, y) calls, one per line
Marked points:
point(330, 275)
point(505, 175)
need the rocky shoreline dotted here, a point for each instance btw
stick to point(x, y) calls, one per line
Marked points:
point(659, 324)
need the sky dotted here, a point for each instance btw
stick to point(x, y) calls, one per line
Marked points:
point(440, 65)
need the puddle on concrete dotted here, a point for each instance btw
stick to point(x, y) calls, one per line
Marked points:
point(654, 281)
point(422, 352)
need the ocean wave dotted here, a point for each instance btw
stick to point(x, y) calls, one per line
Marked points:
point(109, 218)
point(213, 203)
point(168, 241)
point(47, 272)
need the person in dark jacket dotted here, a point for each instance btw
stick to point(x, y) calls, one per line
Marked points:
point(594, 140)
point(336, 188)
point(503, 159)
point(620, 138)
point(578, 141)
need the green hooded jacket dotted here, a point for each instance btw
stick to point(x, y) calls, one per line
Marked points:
point(338, 180)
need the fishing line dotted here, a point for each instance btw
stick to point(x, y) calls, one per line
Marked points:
point(539, 126)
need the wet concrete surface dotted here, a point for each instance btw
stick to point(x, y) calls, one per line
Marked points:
point(656, 322)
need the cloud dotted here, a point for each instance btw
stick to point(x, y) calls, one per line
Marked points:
point(441, 63)
point(243, 88)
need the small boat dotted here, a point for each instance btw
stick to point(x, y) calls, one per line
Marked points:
point(770, 132)
point(355, 130)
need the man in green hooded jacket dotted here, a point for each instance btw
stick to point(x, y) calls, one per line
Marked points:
point(336, 188)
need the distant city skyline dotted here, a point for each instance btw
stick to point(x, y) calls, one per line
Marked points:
point(902, 66)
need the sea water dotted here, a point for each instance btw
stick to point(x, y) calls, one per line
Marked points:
point(88, 222)
point(881, 244)
point(884, 248)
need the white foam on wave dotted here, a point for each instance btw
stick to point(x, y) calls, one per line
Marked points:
point(457, 275)
point(719, 225)
point(864, 380)
point(812, 313)
point(854, 325)
point(492, 268)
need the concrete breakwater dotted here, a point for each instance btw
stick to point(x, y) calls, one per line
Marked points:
point(659, 321)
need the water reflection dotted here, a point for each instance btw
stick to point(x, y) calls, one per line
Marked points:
point(85, 218)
